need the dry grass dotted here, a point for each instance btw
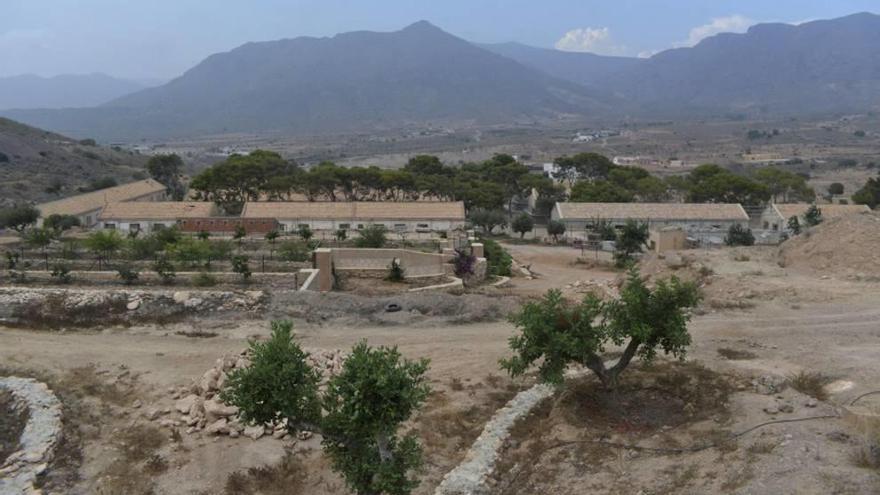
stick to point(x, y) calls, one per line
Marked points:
point(867, 454)
point(198, 334)
point(810, 383)
point(285, 478)
point(736, 354)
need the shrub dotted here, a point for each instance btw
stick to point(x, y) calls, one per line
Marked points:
point(204, 279)
point(836, 188)
point(60, 223)
point(127, 273)
point(813, 216)
point(341, 235)
point(203, 235)
point(143, 248)
point(18, 218)
point(165, 269)
point(12, 260)
point(241, 267)
point(168, 235)
point(272, 236)
point(372, 236)
point(305, 232)
point(463, 263)
point(488, 219)
point(737, 235)
point(558, 333)
point(104, 244)
point(396, 272)
point(497, 258)
point(358, 415)
point(794, 225)
point(293, 251)
point(61, 273)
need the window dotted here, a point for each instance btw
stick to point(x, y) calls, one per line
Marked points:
point(302, 225)
point(134, 227)
point(344, 226)
point(423, 226)
point(360, 226)
point(110, 226)
point(158, 226)
point(400, 227)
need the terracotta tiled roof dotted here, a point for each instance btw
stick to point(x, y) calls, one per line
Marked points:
point(157, 210)
point(789, 210)
point(652, 211)
point(84, 203)
point(363, 210)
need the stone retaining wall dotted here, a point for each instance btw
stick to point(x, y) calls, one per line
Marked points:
point(38, 440)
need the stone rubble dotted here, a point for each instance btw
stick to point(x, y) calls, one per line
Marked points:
point(41, 435)
point(198, 407)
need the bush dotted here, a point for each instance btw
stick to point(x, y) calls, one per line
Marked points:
point(836, 188)
point(204, 279)
point(373, 236)
point(18, 217)
point(488, 219)
point(143, 248)
point(61, 273)
point(737, 235)
point(240, 266)
point(358, 415)
point(463, 263)
point(305, 232)
point(396, 272)
point(128, 274)
point(794, 225)
point(497, 258)
point(167, 236)
point(104, 244)
point(293, 251)
point(557, 333)
point(813, 216)
point(60, 223)
point(165, 269)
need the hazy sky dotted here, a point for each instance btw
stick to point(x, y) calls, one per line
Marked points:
point(163, 38)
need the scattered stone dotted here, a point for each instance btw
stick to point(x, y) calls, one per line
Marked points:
point(812, 402)
point(771, 410)
point(217, 427)
point(152, 413)
point(133, 305)
point(254, 432)
point(184, 405)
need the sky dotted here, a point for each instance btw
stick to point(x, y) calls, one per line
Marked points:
point(160, 39)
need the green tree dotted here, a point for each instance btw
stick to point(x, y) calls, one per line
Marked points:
point(554, 333)
point(18, 217)
point(835, 189)
point(630, 241)
point(341, 235)
point(192, 252)
point(60, 223)
point(128, 273)
point(39, 238)
point(813, 216)
point(61, 273)
point(203, 235)
point(713, 184)
point(487, 219)
point(523, 224)
point(166, 170)
point(104, 244)
point(555, 229)
point(589, 166)
point(737, 235)
point(372, 236)
point(601, 191)
point(272, 236)
point(358, 416)
point(869, 194)
point(241, 178)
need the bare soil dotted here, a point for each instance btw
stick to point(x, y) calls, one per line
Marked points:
point(765, 321)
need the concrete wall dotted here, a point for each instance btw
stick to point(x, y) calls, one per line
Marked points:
point(145, 226)
point(415, 263)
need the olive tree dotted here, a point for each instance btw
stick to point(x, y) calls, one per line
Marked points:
point(555, 333)
point(358, 415)
point(555, 229)
point(523, 224)
point(630, 240)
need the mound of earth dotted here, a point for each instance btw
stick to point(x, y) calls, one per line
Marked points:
point(845, 246)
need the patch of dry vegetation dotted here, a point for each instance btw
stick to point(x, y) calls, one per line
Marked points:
point(736, 354)
point(810, 383)
point(284, 478)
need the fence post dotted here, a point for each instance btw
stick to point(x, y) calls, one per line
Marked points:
point(263, 262)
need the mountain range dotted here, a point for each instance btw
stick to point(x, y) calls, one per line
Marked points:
point(30, 91)
point(366, 80)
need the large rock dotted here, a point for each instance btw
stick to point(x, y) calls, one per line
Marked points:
point(185, 404)
point(218, 427)
point(214, 409)
point(180, 297)
point(208, 382)
point(254, 432)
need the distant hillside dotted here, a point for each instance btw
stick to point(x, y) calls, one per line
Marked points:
point(65, 91)
point(773, 69)
point(352, 81)
point(588, 69)
point(32, 159)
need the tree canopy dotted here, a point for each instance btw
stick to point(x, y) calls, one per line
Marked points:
point(166, 169)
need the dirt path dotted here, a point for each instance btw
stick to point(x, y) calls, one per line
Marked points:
point(554, 267)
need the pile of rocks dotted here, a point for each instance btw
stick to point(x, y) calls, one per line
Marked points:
point(604, 289)
point(41, 435)
point(198, 408)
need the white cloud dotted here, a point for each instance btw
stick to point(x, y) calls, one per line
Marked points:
point(594, 40)
point(730, 24)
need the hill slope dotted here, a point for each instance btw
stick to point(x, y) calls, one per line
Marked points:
point(32, 159)
point(588, 69)
point(821, 66)
point(351, 81)
point(64, 91)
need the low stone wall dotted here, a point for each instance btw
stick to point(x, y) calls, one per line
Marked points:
point(38, 440)
point(416, 263)
point(152, 278)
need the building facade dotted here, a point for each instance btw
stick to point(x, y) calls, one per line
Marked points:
point(776, 216)
point(146, 217)
point(401, 217)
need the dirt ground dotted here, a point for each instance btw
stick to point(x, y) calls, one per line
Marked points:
point(769, 321)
